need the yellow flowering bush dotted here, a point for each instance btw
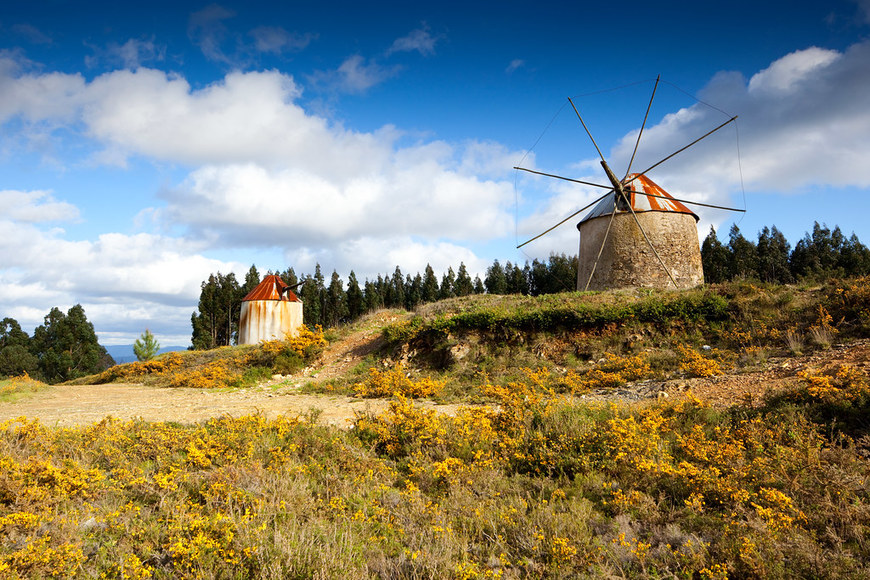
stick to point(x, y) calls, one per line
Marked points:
point(397, 381)
point(696, 365)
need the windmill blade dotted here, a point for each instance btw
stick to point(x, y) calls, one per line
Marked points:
point(636, 143)
point(600, 250)
point(678, 151)
point(563, 178)
point(587, 129)
point(564, 220)
point(652, 247)
point(687, 201)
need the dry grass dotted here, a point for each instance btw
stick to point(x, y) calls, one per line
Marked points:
point(529, 487)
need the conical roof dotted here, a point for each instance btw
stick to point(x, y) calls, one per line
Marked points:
point(638, 186)
point(271, 288)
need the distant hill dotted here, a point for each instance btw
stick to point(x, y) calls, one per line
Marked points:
point(123, 353)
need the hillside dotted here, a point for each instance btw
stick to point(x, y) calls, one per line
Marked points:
point(713, 433)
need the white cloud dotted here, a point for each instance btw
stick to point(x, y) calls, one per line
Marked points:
point(207, 30)
point(264, 174)
point(123, 281)
point(370, 256)
point(132, 54)
point(419, 40)
point(276, 40)
point(34, 207)
point(803, 123)
point(355, 75)
point(785, 75)
point(514, 65)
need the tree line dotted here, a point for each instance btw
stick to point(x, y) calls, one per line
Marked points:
point(64, 347)
point(822, 253)
point(216, 320)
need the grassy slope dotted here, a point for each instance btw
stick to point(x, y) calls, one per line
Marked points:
point(534, 486)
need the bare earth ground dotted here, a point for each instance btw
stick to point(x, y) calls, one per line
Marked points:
point(67, 405)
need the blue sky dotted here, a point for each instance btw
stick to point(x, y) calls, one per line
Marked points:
point(144, 147)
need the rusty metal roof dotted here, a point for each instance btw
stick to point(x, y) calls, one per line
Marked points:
point(271, 288)
point(639, 186)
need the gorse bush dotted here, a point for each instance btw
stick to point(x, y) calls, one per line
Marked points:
point(224, 367)
point(396, 381)
point(534, 485)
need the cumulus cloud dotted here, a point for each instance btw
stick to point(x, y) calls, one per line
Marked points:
point(35, 207)
point(803, 122)
point(419, 40)
point(123, 281)
point(785, 75)
point(263, 174)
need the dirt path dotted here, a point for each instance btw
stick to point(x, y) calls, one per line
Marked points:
point(68, 405)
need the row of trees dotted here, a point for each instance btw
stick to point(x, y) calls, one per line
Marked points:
point(216, 321)
point(822, 253)
point(64, 347)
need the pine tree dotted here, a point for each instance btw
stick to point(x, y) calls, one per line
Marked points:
point(146, 346)
point(397, 289)
point(355, 299)
point(413, 291)
point(429, 292)
point(478, 285)
point(448, 281)
point(312, 292)
point(464, 286)
point(743, 261)
point(562, 273)
point(517, 282)
point(335, 306)
point(854, 257)
point(495, 281)
point(252, 279)
point(773, 252)
point(539, 278)
point(216, 321)
point(714, 259)
point(373, 300)
point(289, 277)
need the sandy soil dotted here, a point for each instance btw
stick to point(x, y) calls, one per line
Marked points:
point(66, 405)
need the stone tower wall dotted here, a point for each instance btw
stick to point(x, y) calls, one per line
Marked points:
point(627, 260)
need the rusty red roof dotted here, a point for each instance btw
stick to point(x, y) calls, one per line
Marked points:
point(639, 185)
point(271, 288)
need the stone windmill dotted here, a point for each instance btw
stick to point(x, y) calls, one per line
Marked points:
point(637, 235)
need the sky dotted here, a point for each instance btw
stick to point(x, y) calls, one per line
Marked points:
point(144, 146)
